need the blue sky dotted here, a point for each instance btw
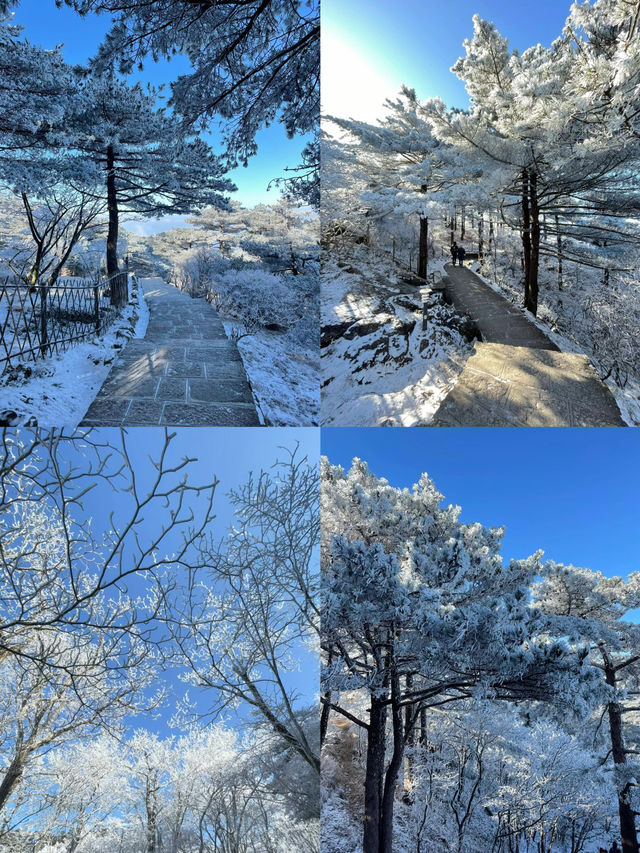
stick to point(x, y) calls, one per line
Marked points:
point(370, 49)
point(46, 25)
point(572, 492)
point(229, 454)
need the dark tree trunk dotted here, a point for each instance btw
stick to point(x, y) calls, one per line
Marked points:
point(324, 718)
point(463, 229)
point(423, 727)
point(395, 765)
point(112, 207)
point(423, 243)
point(559, 246)
point(619, 754)
point(480, 237)
point(423, 247)
point(294, 263)
point(373, 776)
point(325, 710)
point(410, 739)
point(526, 233)
point(530, 239)
point(535, 245)
point(452, 230)
point(12, 776)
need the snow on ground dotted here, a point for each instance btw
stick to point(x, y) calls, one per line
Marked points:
point(58, 391)
point(379, 367)
point(284, 378)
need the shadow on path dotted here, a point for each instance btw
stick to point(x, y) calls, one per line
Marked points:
point(184, 372)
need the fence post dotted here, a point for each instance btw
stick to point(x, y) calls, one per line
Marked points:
point(43, 320)
point(96, 306)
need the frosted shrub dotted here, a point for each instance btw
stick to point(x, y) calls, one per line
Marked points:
point(195, 272)
point(306, 331)
point(257, 298)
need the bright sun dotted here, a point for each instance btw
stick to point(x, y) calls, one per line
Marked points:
point(354, 85)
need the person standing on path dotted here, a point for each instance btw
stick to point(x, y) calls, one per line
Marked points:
point(454, 252)
point(461, 254)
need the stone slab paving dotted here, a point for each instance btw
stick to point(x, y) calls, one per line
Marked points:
point(184, 372)
point(503, 385)
point(498, 321)
point(517, 376)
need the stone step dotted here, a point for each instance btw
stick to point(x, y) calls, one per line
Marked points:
point(184, 372)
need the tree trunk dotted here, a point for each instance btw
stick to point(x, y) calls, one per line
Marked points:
point(535, 245)
point(152, 815)
point(423, 727)
point(409, 737)
point(395, 765)
point(324, 718)
point(12, 776)
point(526, 234)
point(480, 237)
point(325, 711)
point(112, 207)
point(559, 246)
point(423, 244)
point(373, 776)
point(463, 229)
point(530, 239)
point(294, 263)
point(423, 247)
point(619, 754)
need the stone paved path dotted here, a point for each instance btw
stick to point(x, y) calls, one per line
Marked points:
point(497, 319)
point(184, 372)
point(517, 376)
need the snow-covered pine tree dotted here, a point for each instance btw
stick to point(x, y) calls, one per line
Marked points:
point(411, 173)
point(529, 119)
point(420, 611)
point(253, 63)
point(591, 609)
point(149, 166)
point(35, 97)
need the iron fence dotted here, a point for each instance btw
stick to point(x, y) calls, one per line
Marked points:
point(39, 321)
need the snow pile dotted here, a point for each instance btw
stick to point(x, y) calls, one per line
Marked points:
point(284, 376)
point(58, 391)
point(379, 367)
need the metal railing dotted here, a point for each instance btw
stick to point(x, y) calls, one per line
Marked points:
point(40, 321)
